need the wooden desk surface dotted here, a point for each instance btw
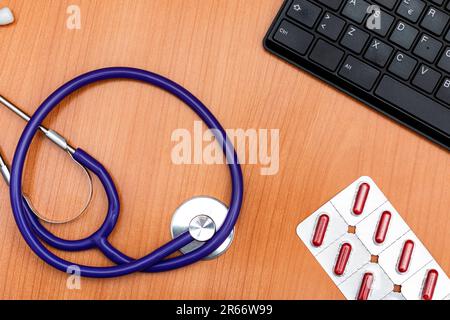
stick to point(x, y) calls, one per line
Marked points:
point(213, 48)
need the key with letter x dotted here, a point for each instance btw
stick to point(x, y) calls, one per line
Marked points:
point(378, 52)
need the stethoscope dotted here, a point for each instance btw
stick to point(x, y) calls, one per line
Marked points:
point(201, 227)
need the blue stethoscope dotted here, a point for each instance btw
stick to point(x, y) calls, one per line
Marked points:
point(35, 233)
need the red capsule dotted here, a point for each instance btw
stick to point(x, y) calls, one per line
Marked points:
point(342, 260)
point(366, 286)
point(361, 197)
point(321, 229)
point(430, 284)
point(383, 226)
point(405, 257)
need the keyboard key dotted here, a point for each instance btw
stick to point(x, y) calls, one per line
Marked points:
point(333, 4)
point(379, 22)
point(426, 78)
point(293, 37)
point(447, 37)
point(387, 3)
point(354, 39)
point(356, 10)
point(414, 103)
point(304, 12)
point(444, 92)
point(359, 73)
point(428, 48)
point(378, 52)
point(435, 21)
point(326, 55)
point(448, 6)
point(402, 65)
point(439, 2)
point(444, 62)
point(411, 9)
point(404, 35)
point(331, 26)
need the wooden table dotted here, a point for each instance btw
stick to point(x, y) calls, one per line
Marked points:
point(213, 48)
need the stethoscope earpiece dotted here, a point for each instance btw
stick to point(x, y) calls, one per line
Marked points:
point(6, 16)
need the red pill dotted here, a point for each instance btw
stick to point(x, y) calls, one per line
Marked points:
point(383, 226)
point(361, 197)
point(342, 260)
point(405, 257)
point(430, 284)
point(321, 229)
point(366, 286)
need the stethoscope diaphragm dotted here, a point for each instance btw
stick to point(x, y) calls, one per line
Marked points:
point(201, 217)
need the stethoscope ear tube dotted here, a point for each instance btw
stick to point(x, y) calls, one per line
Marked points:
point(62, 143)
point(33, 231)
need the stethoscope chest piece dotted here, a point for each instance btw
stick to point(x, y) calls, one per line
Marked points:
point(201, 217)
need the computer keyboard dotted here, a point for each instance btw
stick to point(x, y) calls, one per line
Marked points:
point(393, 55)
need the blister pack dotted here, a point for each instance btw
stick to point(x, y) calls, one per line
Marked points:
point(369, 251)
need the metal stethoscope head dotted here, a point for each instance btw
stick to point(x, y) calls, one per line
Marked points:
point(62, 143)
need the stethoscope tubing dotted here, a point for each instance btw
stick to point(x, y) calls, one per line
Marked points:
point(33, 231)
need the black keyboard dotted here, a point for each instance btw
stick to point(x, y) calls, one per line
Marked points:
point(393, 55)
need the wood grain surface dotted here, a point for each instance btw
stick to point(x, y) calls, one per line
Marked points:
point(213, 48)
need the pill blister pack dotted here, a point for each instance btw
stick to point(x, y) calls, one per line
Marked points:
point(369, 251)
